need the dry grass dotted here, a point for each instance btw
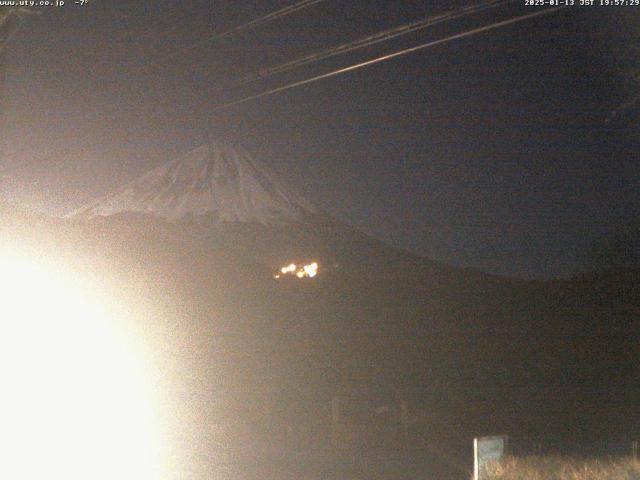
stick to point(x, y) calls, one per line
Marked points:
point(561, 468)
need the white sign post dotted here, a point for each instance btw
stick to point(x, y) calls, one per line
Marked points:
point(486, 450)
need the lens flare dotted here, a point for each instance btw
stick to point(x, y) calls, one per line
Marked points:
point(77, 398)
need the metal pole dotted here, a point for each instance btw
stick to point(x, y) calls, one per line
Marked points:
point(11, 19)
point(4, 19)
point(476, 463)
point(3, 114)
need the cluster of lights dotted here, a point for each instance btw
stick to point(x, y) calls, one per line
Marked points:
point(300, 271)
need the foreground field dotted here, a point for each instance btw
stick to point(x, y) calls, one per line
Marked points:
point(559, 468)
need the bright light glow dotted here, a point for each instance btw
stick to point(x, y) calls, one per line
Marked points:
point(311, 270)
point(291, 268)
point(76, 398)
point(308, 271)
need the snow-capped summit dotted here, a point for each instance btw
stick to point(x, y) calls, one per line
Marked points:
point(220, 181)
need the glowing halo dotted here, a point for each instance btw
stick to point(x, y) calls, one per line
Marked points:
point(77, 400)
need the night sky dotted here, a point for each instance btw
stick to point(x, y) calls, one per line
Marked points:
point(491, 151)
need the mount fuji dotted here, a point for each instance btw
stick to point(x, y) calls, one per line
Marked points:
point(218, 181)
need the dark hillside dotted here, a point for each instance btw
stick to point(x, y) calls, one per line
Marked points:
point(468, 352)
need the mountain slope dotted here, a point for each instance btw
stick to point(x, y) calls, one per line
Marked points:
point(219, 181)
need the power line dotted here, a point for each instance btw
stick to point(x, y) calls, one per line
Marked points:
point(374, 39)
point(283, 12)
point(386, 57)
